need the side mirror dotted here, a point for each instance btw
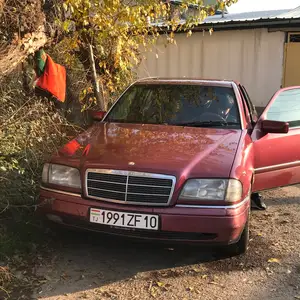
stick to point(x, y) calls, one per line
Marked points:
point(97, 115)
point(269, 126)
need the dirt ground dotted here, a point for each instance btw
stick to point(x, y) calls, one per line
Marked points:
point(93, 266)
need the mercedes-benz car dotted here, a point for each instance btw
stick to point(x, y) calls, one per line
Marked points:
point(175, 160)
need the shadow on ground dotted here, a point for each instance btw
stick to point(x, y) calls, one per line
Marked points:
point(84, 261)
point(74, 261)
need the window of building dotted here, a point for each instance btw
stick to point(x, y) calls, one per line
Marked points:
point(294, 37)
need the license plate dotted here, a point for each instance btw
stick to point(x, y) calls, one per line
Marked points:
point(124, 219)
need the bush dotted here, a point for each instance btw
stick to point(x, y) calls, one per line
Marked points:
point(30, 130)
point(19, 17)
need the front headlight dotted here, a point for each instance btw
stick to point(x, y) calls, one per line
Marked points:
point(229, 190)
point(61, 175)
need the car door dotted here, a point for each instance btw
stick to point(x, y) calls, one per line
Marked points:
point(250, 106)
point(277, 155)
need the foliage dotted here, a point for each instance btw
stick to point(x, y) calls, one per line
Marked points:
point(30, 130)
point(18, 18)
point(118, 30)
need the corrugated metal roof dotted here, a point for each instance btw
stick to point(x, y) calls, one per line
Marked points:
point(248, 16)
point(292, 14)
point(254, 16)
point(248, 19)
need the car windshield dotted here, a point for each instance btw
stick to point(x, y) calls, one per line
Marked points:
point(179, 105)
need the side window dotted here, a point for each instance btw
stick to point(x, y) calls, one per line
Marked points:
point(250, 105)
point(286, 108)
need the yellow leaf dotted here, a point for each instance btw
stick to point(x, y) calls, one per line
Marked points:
point(273, 260)
point(160, 284)
point(153, 292)
point(189, 33)
point(65, 6)
point(222, 5)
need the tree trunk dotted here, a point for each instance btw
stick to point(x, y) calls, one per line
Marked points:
point(12, 55)
point(100, 100)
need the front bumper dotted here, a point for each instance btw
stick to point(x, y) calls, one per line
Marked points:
point(200, 224)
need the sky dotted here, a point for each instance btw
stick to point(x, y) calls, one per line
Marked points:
point(258, 5)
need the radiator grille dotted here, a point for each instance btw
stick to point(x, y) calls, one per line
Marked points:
point(130, 187)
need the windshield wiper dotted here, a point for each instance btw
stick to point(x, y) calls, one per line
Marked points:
point(207, 124)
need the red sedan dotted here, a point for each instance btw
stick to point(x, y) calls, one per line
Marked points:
point(175, 160)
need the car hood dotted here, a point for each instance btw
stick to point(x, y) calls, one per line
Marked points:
point(180, 151)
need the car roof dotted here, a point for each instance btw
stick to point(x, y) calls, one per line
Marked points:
point(186, 80)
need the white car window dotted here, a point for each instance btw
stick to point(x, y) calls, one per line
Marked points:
point(286, 108)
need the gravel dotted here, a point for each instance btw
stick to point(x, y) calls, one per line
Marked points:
point(93, 266)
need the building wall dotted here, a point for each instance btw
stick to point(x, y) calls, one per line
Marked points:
point(253, 57)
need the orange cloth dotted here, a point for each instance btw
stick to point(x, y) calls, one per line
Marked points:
point(53, 80)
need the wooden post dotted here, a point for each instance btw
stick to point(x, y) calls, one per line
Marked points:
point(96, 85)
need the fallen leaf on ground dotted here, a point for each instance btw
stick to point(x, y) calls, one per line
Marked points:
point(47, 277)
point(84, 295)
point(64, 276)
point(273, 260)
point(284, 222)
point(154, 291)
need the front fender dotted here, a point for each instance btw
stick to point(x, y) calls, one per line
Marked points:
point(243, 165)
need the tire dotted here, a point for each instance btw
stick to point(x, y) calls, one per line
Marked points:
point(238, 248)
point(242, 245)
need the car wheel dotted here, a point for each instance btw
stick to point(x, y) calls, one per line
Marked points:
point(242, 245)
